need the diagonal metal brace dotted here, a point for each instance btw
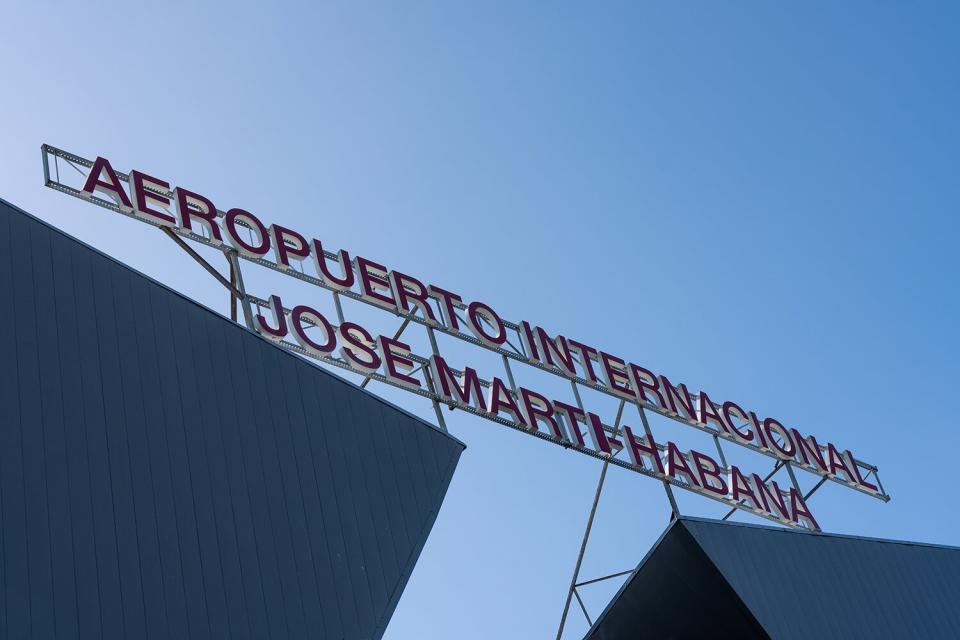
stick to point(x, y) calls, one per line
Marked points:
point(396, 336)
point(203, 263)
point(612, 575)
point(776, 467)
point(583, 607)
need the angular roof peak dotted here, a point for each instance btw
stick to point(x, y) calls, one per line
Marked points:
point(710, 578)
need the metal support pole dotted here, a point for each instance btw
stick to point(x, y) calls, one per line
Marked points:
point(776, 467)
point(339, 306)
point(46, 165)
point(199, 259)
point(666, 485)
point(240, 289)
point(576, 394)
point(814, 489)
point(583, 607)
point(793, 477)
point(396, 336)
point(876, 475)
point(441, 421)
point(583, 548)
point(233, 296)
point(506, 365)
point(723, 458)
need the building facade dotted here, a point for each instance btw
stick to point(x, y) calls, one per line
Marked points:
point(717, 579)
point(166, 473)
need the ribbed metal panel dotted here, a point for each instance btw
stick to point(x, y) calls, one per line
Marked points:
point(801, 585)
point(165, 473)
point(676, 593)
point(713, 579)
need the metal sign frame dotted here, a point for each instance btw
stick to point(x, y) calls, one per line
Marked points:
point(514, 349)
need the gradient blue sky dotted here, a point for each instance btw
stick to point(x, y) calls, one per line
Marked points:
point(757, 199)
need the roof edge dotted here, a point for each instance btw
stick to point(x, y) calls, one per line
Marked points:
point(845, 536)
point(223, 318)
point(633, 574)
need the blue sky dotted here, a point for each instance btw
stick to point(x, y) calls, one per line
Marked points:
point(756, 199)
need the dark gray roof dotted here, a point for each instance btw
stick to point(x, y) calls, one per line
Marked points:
point(707, 578)
point(166, 473)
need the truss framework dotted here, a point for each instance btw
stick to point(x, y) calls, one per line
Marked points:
point(507, 353)
point(53, 158)
point(250, 304)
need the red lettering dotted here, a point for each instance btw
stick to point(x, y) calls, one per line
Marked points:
point(396, 361)
point(373, 279)
point(340, 283)
point(468, 393)
point(770, 497)
point(809, 449)
point(728, 409)
point(799, 512)
point(677, 463)
point(536, 406)
point(780, 438)
point(279, 319)
point(708, 413)
point(679, 400)
point(502, 400)
point(740, 487)
point(601, 441)
point(477, 313)
point(836, 462)
point(644, 380)
point(587, 356)
point(708, 467)
point(111, 187)
point(615, 376)
point(448, 301)
point(637, 447)
point(287, 244)
point(556, 352)
point(408, 289)
point(573, 417)
point(236, 217)
point(193, 205)
point(529, 342)
point(145, 188)
point(856, 470)
point(358, 348)
point(311, 346)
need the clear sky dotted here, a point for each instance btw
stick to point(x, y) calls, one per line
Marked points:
point(756, 199)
